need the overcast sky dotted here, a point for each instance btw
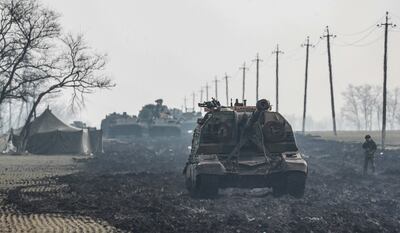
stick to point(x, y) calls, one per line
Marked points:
point(168, 49)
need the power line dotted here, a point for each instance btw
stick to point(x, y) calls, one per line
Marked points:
point(243, 68)
point(277, 52)
point(267, 60)
point(201, 95)
point(362, 31)
point(369, 43)
point(216, 87)
point(226, 77)
point(386, 24)
point(328, 37)
point(236, 74)
point(319, 41)
point(257, 60)
point(358, 40)
point(318, 48)
point(194, 101)
point(207, 87)
point(293, 58)
point(251, 65)
point(395, 15)
point(289, 56)
point(307, 45)
point(185, 103)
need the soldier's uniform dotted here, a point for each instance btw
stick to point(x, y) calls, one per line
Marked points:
point(369, 147)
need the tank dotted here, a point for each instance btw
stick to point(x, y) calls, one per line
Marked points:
point(117, 125)
point(245, 147)
point(164, 128)
point(159, 120)
point(153, 121)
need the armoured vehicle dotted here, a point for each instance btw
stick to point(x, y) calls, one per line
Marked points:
point(246, 147)
point(153, 121)
point(117, 125)
point(159, 120)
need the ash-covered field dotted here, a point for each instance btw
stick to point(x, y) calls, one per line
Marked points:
point(140, 188)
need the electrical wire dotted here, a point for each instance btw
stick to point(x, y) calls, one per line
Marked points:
point(266, 61)
point(294, 54)
point(361, 45)
point(293, 51)
point(294, 57)
point(370, 43)
point(236, 74)
point(317, 44)
point(251, 65)
point(318, 48)
point(354, 43)
point(364, 30)
point(291, 56)
point(398, 18)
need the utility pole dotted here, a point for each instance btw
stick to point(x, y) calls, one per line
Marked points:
point(257, 60)
point(185, 103)
point(277, 52)
point(244, 68)
point(216, 87)
point(201, 96)
point(307, 45)
point(194, 101)
point(207, 91)
point(328, 36)
point(386, 24)
point(226, 77)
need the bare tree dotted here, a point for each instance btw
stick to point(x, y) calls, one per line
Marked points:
point(27, 31)
point(350, 110)
point(378, 106)
point(38, 61)
point(393, 105)
point(76, 68)
point(366, 98)
point(363, 105)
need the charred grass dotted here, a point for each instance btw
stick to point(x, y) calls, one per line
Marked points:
point(140, 188)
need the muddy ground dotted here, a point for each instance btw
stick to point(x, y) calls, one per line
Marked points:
point(140, 188)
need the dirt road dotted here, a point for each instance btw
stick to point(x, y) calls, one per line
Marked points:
point(34, 176)
point(137, 189)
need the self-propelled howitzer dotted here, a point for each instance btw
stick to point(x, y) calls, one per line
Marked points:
point(247, 147)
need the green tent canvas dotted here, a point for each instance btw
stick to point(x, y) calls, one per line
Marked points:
point(49, 135)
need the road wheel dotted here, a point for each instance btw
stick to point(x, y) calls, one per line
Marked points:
point(296, 183)
point(206, 186)
point(280, 186)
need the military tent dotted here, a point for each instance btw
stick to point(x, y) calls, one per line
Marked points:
point(49, 135)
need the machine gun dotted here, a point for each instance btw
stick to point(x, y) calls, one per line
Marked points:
point(211, 105)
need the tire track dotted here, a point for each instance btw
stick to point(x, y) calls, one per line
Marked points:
point(51, 223)
point(33, 176)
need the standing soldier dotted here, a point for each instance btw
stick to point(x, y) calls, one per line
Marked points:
point(369, 147)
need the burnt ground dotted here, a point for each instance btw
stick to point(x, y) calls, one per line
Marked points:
point(140, 188)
